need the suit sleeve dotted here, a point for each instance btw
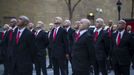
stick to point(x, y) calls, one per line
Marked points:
point(91, 49)
point(106, 40)
point(65, 40)
point(33, 47)
point(45, 38)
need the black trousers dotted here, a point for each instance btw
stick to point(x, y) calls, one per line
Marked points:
point(67, 62)
point(16, 71)
point(100, 67)
point(40, 64)
point(121, 69)
point(59, 66)
point(50, 57)
point(81, 73)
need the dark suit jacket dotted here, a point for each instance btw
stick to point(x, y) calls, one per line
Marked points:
point(123, 53)
point(2, 48)
point(8, 42)
point(60, 46)
point(102, 45)
point(41, 42)
point(91, 30)
point(83, 53)
point(70, 38)
point(24, 52)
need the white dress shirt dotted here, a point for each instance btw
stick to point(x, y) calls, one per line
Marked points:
point(121, 33)
point(21, 31)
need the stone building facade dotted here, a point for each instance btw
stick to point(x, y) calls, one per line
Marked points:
point(46, 10)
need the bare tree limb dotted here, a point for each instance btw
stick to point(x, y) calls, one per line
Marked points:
point(66, 2)
point(75, 5)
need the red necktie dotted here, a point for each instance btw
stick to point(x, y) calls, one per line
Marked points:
point(10, 35)
point(54, 35)
point(119, 39)
point(109, 32)
point(96, 36)
point(17, 37)
point(77, 36)
point(3, 35)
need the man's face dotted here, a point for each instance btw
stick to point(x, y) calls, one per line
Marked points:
point(30, 25)
point(110, 23)
point(98, 25)
point(114, 27)
point(57, 21)
point(39, 25)
point(128, 28)
point(20, 22)
point(12, 23)
point(121, 26)
point(65, 24)
point(83, 25)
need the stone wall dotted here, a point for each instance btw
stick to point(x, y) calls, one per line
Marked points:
point(46, 10)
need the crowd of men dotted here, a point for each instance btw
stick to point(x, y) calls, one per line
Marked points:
point(90, 49)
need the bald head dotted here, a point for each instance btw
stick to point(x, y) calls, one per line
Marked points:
point(84, 24)
point(40, 24)
point(114, 27)
point(58, 20)
point(30, 25)
point(66, 23)
point(129, 28)
point(51, 26)
point(13, 22)
point(23, 21)
point(99, 23)
point(76, 25)
point(110, 23)
point(121, 25)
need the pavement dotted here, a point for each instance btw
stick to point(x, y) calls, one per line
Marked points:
point(50, 71)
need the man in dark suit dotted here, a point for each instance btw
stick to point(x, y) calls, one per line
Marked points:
point(122, 49)
point(82, 50)
point(24, 49)
point(41, 40)
point(70, 32)
point(59, 47)
point(101, 44)
point(3, 34)
point(51, 26)
point(8, 45)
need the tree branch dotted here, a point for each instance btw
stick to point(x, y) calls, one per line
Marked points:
point(75, 5)
point(66, 2)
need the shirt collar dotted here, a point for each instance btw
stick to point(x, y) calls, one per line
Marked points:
point(82, 32)
point(38, 31)
point(57, 27)
point(121, 32)
point(68, 28)
point(21, 30)
point(97, 30)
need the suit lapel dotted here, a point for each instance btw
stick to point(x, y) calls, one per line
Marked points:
point(39, 33)
point(123, 37)
point(22, 36)
point(100, 35)
point(81, 37)
point(58, 32)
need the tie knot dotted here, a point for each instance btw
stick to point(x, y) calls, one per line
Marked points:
point(96, 32)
